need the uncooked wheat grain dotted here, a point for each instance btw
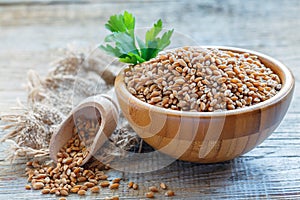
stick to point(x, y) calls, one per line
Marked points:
point(205, 80)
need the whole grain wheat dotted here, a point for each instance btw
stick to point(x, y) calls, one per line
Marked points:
point(205, 80)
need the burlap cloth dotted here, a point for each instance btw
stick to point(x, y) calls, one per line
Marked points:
point(74, 77)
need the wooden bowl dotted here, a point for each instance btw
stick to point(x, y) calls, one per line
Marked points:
point(208, 137)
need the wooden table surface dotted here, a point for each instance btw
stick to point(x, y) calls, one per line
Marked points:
point(33, 33)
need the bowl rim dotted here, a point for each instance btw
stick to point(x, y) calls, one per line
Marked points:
point(287, 86)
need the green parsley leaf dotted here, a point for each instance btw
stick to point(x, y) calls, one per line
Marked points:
point(153, 32)
point(123, 36)
point(121, 23)
point(132, 58)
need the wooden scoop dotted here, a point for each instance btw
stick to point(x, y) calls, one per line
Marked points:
point(102, 108)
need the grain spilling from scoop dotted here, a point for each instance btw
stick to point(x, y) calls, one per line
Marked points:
point(67, 176)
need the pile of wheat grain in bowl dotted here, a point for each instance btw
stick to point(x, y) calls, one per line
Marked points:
point(206, 80)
